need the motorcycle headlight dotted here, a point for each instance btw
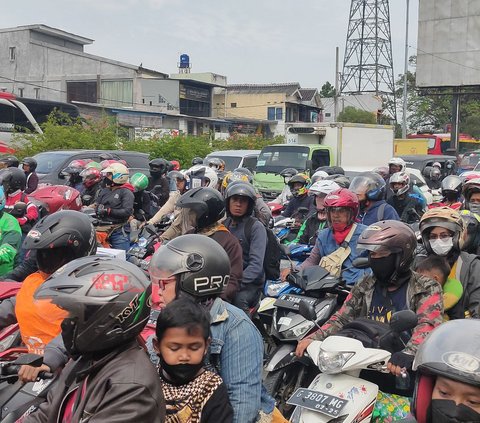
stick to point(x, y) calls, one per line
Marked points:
point(332, 362)
point(274, 289)
point(299, 331)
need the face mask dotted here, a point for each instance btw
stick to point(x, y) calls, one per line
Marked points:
point(363, 205)
point(180, 374)
point(69, 328)
point(108, 182)
point(384, 268)
point(441, 247)
point(474, 207)
point(446, 411)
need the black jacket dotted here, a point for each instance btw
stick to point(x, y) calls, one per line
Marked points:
point(123, 386)
point(119, 203)
point(161, 188)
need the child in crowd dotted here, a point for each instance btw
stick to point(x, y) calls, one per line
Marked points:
point(437, 268)
point(192, 393)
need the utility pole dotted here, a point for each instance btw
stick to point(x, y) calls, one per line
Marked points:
point(404, 117)
point(337, 85)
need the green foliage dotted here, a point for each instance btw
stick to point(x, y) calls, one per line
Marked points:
point(354, 115)
point(327, 90)
point(105, 134)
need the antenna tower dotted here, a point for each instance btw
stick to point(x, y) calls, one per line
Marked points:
point(368, 60)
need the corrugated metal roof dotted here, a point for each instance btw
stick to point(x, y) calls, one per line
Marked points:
point(288, 88)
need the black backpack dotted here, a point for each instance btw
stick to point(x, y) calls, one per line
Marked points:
point(273, 252)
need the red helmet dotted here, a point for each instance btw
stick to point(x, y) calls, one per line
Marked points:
point(57, 197)
point(175, 164)
point(106, 163)
point(343, 197)
point(91, 176)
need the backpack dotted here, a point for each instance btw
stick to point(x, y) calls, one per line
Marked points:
point(273, 252)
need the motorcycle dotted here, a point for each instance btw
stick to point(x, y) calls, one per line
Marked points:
point(10, 340)
point(284, 371)
point(51, 198)
point(19, 400)
point(338, 393)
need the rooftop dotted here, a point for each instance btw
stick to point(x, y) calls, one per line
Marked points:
point(288, 88)
point(55, 32)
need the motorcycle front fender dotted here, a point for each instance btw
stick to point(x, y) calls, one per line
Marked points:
point(283, 356)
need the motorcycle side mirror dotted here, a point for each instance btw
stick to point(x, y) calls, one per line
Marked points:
point(403, 320)
point(307, 311)
point(361, 263)
point(33, 360)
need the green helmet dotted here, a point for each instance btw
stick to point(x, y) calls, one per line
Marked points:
point(95, 165)
point(139, 181)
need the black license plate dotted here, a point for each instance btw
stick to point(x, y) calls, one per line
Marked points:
point(318, 401)
point(292, 302)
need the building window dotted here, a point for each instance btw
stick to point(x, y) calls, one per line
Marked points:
point(20, 92)
point(233, 105)
point(278, 113)
point(271, 113)
point(117, 93)
point(12, 53)
point(37, 92)
point(85, 91)
point(328, 114)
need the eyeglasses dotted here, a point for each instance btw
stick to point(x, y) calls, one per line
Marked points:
point(443, 236)
point(163, 282)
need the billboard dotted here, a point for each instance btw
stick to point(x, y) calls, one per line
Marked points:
point(448, 43)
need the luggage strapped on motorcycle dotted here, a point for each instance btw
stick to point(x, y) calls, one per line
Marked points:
point(333, 261)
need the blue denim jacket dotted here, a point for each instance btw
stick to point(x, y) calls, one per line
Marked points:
point(236, 351)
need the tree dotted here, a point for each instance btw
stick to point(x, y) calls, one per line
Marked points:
point(327, 90)
point(354, 115)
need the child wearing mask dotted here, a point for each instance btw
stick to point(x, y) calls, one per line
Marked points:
point(192, 393)
point(438, 269)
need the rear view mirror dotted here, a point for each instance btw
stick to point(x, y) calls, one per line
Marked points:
point(361, 263)
point(403, 320)
point(307, 311)
point(308, 166)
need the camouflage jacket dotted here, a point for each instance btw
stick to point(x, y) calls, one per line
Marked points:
point(424, 297)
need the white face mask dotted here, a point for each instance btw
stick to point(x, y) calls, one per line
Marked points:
point(441, 247)
point(474, 207)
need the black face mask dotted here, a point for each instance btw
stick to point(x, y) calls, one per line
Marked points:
point(108, 182)
point(155, 173)
point(180, 374)
point(69, 330)
point(446, 411)
point(363, 205)
point(384, 268)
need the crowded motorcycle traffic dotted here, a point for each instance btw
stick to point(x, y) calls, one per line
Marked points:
point(182, 296)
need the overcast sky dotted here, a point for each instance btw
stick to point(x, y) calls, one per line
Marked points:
point(249, 41)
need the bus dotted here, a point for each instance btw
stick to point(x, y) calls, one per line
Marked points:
point(21, 115)
point(440, 143)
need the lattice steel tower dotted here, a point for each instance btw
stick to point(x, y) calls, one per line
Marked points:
point(368, 61)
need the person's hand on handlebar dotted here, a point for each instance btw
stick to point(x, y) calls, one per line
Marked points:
point(284, 273)
point(302, 346)
point(30, 373)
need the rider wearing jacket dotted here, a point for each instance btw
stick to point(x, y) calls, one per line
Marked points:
point(158, 184)
point(204, 209)
point(197, 267)
point(10, 238)
point(342, 209)
point(299, 188)
point(392, 287)
point(110, 378)
point(407, 205)
point(370, 188)
point(443, 234)
point(92, 182)
point(29, 164)
point(115, 203)
point(308, 232)
point(180, 180)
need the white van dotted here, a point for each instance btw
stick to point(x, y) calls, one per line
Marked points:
point(237, 158)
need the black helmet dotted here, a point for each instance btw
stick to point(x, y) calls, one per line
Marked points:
point(472, 225)
point(197, 161)
point(452, 186)
point(369, 183)
point(450, 351)
point(340, 179)
point(13, 179)
point(30, 162)
point(108, 301)
point(61, 237)
point(299, 178)
point(242, 189)
point(201, 265)
point(393, 237)
point(158, 167)
point(288, 173)
point(9, 161)
point(207, 203)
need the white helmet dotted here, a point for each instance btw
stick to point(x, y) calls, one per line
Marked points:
point(202, 176)
point(437, 164)
point(323, 187)
point(119, 173)
point(318, 176)
point(397, 161)
point(400, 178)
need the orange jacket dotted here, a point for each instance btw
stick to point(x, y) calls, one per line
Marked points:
point(39, 321)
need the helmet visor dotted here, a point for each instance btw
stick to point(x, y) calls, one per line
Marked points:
point(166, 263)
point(380, 250)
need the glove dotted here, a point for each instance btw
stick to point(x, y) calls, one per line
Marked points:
point(102, 211)
point(402, 360)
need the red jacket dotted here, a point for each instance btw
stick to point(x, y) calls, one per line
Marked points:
point(31, 215)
